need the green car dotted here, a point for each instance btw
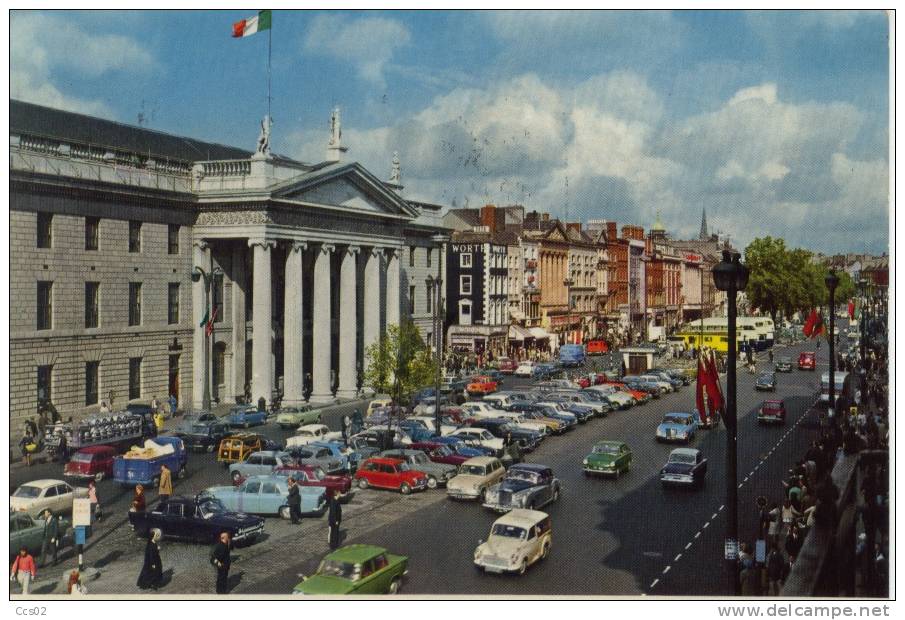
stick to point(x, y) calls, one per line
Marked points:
point(26, 531)
point(608, 457)
point(356, 569)
point(293, 417)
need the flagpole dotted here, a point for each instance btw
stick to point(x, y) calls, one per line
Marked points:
point(269, 54)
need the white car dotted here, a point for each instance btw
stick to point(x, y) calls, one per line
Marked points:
point(616, 396)
point(517, 539)
point(480, 436)
point(428, 422)
point(475, 476)
point(38, 495)
point(312, 432)
point(381, 400)
point(525, 369)
point(480, 409)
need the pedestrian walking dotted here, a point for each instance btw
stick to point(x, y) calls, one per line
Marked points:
point(50, 542)
point(220, 559)
point(139, 503)
point(92, 496)
point(334, 519)
point(295, 502)
point(775, 568)
point(173, 405)
point(165, 488)
point(262, 404)
point(344, 426)
point(151, 574)
point(27, 445)
point(62, 452)
point(23, 570)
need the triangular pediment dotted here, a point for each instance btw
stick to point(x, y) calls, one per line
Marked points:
point(557, 233)
point(345, 186)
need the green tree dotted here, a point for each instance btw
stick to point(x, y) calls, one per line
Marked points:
point(768, 261)
point(399, 363)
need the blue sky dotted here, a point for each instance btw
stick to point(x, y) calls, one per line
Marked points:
point(775, 122)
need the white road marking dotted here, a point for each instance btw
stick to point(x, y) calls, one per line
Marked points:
point(666, 570)
point(706, 525)
point(698, 534)
point(687, 546)
point(655, 582)
point(713, 516)
point(722, 506)
point(677, 558)
point(740, 484)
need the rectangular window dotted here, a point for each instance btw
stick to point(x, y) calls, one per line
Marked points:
point(412, 256)
point(429, 296)
point(412, 299)
point(44, 381)
point(134, 378)
point(173, 303)
point(91, 383)
point(45, 305)
point(465, 285)
point(134, 236)
point(465, 260)
point(92, 295)
point(430, 252)
point(134, 303)
point(45, 230)
point(92, 228)
point(217, 298)
point(173, 239)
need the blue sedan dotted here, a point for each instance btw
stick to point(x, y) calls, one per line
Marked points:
point(678, 426)
point(246, 416)
point(268, 495)
point(339, 451)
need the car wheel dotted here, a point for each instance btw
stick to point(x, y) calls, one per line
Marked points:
point(362, 483)
point(404, 488)
point(431, 482)
point(99, 476)
point(395, 585)
point(523, 567)
point(236, 476)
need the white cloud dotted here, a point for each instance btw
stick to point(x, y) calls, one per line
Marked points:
point(368, 43)
point(43, 45)
point(764, 92)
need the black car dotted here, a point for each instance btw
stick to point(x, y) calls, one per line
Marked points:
point(204, 435)
point(200, 519)
point(766, 381)
point(685, 467)
point(525, 485)
point(783, 364)
point(503, 428)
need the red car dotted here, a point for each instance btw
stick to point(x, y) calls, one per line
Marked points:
point(439, 453)
point(583, 382)
point(311, 476)
point(807, 361)
point(772, 411)
point(91, 462)
point(481, 385)
point(384, 473)
point(507, 366)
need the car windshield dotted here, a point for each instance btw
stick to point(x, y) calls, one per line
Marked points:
point(81, 457)
point(403, 467)
point(420, 458)
point(472, 470)
point(684, 459)
point(199, 428)
point(606, 448)
point(765, 377)
point(27, 491)
point(772, 406)
point(319, 473)
point(675, 419)
point(522, 474)
point(509, 531)
point(335, 568)
point(442, 451)
point(305, 454)
point(209, 507)
point(785, 360)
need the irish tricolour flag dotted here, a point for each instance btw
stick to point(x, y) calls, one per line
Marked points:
point(250, 26)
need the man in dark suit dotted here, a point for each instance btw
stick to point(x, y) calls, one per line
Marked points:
point(295, 502)
point(334, 519)
point(220, 559)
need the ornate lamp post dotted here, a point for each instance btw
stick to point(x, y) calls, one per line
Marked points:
point(435, 286)
point(197, 274)
point(568, 283)
point(832, 281)
point(731, 276)
point(862, 287)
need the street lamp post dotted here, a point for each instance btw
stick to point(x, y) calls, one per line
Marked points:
point(862, 286)
point(435, 285)
point(200, 274)
point(832, 281)
point(731, 276)
point(568, 282)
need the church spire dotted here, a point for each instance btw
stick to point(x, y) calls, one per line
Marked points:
point(703, 235)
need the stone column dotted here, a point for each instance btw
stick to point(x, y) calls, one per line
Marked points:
point(348, 324)
point(238, 319)
point(262, 329)
point(293, 333)
point(321, 359)
point(393, 297)
point(201, 257)
point(371, 318)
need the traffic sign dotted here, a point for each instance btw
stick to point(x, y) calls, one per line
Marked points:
point(731, 550)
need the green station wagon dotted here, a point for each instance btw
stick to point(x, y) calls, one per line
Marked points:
point(293, 417)
point(356, 569)
point(608, 457)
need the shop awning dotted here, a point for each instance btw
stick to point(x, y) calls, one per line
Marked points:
point(539, 333)
point(517, 332)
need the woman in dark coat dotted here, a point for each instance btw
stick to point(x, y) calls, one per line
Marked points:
point(334, 519)
point(151, 571)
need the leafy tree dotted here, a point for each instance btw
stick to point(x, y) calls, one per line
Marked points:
point(768, 262)
point(399, 363)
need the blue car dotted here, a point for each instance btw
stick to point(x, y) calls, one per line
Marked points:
point(268, 495)
point(678, 426)
point(338, 450)
point(460, 447)
point(246, 415)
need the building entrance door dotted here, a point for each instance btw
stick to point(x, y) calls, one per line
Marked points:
point(174, 376)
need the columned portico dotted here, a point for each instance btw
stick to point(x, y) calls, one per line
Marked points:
point(371, 318)
point(393, 297)
point(201, 258)
point(293, 364)
point(262, 328)
point(348, 324)
point(321, 358)
point(238, 319)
